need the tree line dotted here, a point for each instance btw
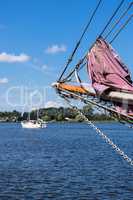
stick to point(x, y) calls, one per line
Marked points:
point(55, 114)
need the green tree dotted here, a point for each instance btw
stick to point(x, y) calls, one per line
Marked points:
point(60, 117)
point(46, 118)
point(79, 118)
point(88, 111)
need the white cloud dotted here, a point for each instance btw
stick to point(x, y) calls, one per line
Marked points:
point(44, 67)
point(3, 80)
point(11, 58)
point(55, 49)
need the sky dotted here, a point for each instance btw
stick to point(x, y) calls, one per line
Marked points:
point(36, 38)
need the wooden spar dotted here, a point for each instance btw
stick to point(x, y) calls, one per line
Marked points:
point(113, 96)
point(73, 88)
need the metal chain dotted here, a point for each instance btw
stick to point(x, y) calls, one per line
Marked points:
point(103, 136)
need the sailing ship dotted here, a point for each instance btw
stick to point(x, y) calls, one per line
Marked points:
point(33, 124)
point(111, 86)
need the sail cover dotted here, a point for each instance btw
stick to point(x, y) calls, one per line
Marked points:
point(106, 69)
point(109, 73)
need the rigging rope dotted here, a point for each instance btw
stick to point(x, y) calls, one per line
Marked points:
point(82, 60)
point(111, 18)
point(93, 102)
point(118, 21)
point(78, 43)
point(121, 28)
point(102, 135)
point(79, 65)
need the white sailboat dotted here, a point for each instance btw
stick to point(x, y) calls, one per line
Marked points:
point(33, 124)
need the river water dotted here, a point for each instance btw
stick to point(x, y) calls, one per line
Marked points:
point(65, 161)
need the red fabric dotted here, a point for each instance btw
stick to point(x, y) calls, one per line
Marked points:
point(107, 71)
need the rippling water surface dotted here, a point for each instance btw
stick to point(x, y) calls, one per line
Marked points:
point(64, 162)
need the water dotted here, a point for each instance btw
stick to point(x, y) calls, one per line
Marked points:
point(64, 162)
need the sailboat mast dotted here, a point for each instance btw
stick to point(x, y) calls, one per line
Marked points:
point(29, 116)
point(37, 113)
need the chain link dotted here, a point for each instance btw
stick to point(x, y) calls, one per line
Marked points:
point(104, 137)
point(100, 133)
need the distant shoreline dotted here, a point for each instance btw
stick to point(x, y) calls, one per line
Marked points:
point(53, 114)
point(95, 121)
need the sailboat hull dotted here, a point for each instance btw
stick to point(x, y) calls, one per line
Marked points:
point(32, 125)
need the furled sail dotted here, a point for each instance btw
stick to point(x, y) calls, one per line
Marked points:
point(111, 88)
point(108, 73)
point(106, 69)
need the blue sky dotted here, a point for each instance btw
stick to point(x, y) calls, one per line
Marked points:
point(36, 38)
